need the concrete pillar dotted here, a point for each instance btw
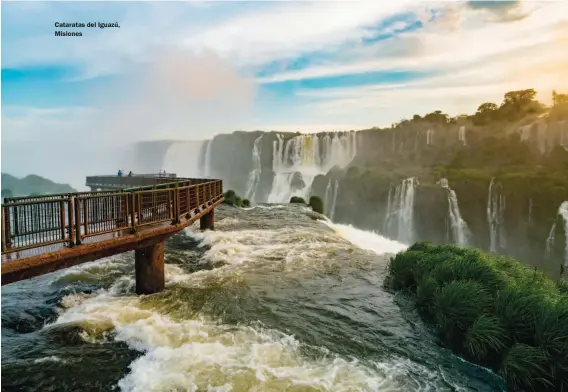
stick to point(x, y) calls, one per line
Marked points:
point(149, 264)
point(207, 221)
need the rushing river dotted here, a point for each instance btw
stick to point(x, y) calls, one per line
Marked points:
point(272, 300)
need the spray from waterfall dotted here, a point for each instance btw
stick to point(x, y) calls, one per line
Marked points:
point(460, 231)
point(563, 212)
point(254, 175)
point(495, 216)
point(297, 161)
point(400, 211)
point(183, 158)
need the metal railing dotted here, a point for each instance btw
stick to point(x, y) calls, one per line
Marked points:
point(37, 221)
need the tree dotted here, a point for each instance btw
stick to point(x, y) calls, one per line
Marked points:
point(559, 99)
point(416, 117)
point(487, 107)
point(520, 97)
point(517, 103)
point(437, 117)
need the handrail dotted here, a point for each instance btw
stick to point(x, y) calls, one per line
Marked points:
point(31, 222)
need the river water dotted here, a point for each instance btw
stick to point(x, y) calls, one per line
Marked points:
point(272, 300)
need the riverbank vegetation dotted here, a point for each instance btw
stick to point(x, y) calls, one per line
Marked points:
point(490, 309)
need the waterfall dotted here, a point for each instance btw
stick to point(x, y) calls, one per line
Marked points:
point(495, 218)
point(563, 212)
point(386, 221)
point(400, 211)
point(334, 200)
point(525, 132)
point(328, 197)
point(300, 159)
point(461, 135)
point(460, 231)
point(182, 158)
point(429, 135)
point(254, 175)
point(207, 172)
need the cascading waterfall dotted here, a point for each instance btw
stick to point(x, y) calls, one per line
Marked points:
point(563, 212)
point(334, 200)
point(429, 136)
point(461, 135)
point(207, 172)
point(328, 197)
point(400, 211)
point(254, 175)
point(460, 231)
point(495, 217)
point(300, 159)
point(387, 219)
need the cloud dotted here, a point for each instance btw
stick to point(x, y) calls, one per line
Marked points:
point(441, 45)
point(177, 96)
point(180, 96)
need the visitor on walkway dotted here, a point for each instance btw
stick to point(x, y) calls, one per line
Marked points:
point(119, 172)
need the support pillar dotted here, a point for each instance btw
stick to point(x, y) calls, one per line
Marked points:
point(207, 221)
point(149, 265)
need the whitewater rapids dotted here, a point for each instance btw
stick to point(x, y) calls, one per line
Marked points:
point(272, 300)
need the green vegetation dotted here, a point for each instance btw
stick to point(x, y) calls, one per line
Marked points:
point(246, 203)
point(317, 204)
point(490, 309)
point(297, 199)
point(232, 199)
point(29, 185)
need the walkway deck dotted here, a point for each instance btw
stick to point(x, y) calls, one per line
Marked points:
point(50, 232)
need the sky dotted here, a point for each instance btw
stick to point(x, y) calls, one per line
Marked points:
point(189, 70)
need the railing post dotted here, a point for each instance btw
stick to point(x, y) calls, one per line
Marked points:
point(188, 193)
point(7, 228)
point(2, 234)
point(86, 215)
point(197, 195)
point(177, 205)
point(62, 218)
point(77, 208)
point(70, 219)
point(132, 200)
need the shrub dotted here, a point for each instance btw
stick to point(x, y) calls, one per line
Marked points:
point(456, 306)
point(524, 368)
point(297, 199)
point(246, 203)
point(232, 199)
point(485, 338)
point(317, 204)
point(491, 309)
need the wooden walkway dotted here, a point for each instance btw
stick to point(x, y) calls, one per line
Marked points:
point(46, 233)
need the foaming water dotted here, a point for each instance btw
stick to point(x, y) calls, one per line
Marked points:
point(367, 239)
point(274, 299)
